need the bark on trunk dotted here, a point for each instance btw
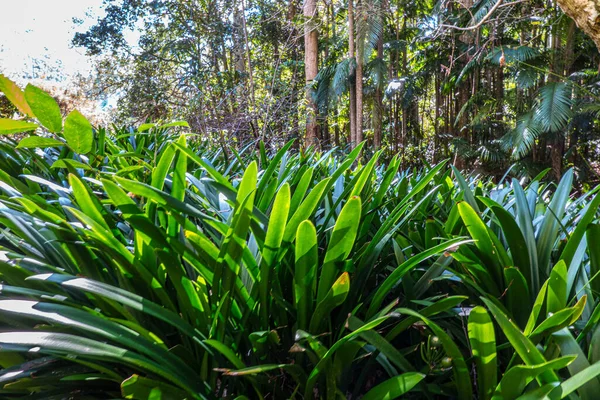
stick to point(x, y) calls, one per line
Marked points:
point(351, 55)
point(586, 14)
point(311, 51)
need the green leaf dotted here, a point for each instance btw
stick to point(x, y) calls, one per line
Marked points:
point(551, 223)
point(553, 106)
point(557, 288)
point(305, 279)
point(66, 163)
point(340, 244)
point(579, 380)
point(15, 95)
point(522, 345)
point(273, 239)
point(140, 388)
point(34, 142)
point(78, 133)
point(393, 278)
point(518, 377)
point(589, 213)
point(8, 126)
point(44, 107)
point(481, 234)
point(336, 295)
point(593, 238)
point(394, 387)
point(587, 385)
point(483, 346)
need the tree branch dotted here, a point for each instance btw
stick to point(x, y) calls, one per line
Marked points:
point(483, 20)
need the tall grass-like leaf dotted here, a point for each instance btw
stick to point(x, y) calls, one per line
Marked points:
point(557, 288)
point(65, 344)
point(408, 265)
point(568, 346)
point(551, 223)
point(483, 346)
point(394, 387)
point(518, 377)
point(593, 238)
point(336, 295)
point(305, 277)
point(493, 255)
point(522, 345)
point(524, 221)
point(340, 244)
point(273, 240)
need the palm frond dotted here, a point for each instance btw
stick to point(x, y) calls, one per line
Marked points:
point(527, 77)
point(512, 55)
point(369, 27)
point(553, 106)
point(377, 69)
point(521, 139)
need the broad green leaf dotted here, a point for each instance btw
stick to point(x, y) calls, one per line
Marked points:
point(78, 133)
point(593, 238)
point(140, 388)
point(518, 377)
point(15, 95)
point(516, 291)
point(522, 345)
point(44, 107)
point(481, 234)
point(336, 295)
point(551, 223)
point(394, 387)
point(340, 244)
point(483, 346)
point(587, 389)
point(273, 239)
point(9, 126)
point(393, 278)
point(33, 142)
point(589, 213)
point(557, 288)
point(66, 344)
point(305, 276)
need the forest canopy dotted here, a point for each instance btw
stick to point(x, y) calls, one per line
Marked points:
point(488, 83)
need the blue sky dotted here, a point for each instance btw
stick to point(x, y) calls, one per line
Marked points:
point(43, 29)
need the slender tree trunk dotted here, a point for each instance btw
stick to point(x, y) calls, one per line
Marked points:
point(378, 103)
point(351, 55)
point(311, 51)
point(360, 62)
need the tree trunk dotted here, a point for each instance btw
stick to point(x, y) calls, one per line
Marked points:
point(586, 14)
point(351, 54)
point(311, 67)
point(378, 103)
point(360, 53)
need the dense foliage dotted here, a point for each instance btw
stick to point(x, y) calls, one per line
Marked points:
point(147, 263)
point(485, 83)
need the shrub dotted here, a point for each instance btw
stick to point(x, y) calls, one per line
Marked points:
point(146, 264)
